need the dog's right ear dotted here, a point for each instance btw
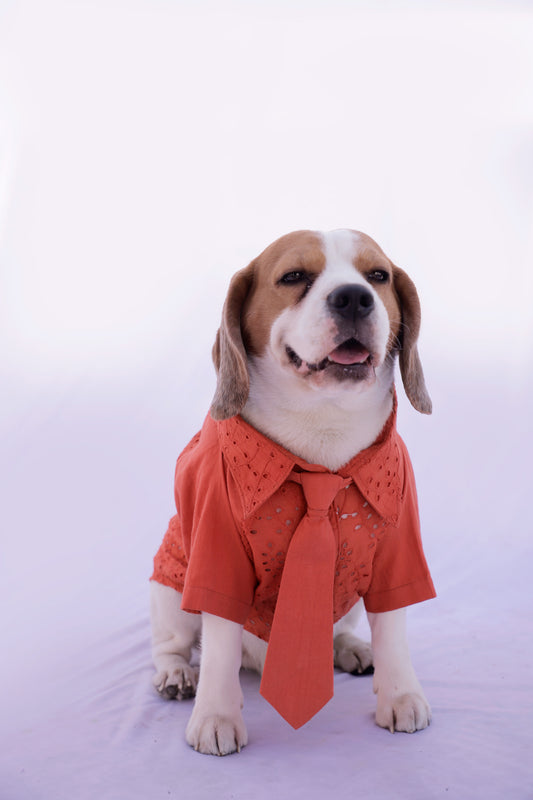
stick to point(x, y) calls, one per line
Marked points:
point(229, 353)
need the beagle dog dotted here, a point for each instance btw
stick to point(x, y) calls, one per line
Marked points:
point(305, 354)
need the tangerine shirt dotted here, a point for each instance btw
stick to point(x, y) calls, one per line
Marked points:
point(237, 510)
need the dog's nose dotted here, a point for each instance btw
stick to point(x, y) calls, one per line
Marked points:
point(350, 301)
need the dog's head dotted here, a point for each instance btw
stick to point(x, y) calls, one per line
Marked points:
point(331, 310)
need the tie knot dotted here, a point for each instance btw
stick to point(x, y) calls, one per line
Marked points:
point(320, 489)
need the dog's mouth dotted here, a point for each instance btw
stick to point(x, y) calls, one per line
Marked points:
point(351, 359)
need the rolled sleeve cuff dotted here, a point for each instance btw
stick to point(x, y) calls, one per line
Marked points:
point(197, 599)
point(401, 596)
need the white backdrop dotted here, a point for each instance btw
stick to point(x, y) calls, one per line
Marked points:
point(148, 149)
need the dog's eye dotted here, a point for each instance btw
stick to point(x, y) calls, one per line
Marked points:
point(378, 276)
point(297, 276)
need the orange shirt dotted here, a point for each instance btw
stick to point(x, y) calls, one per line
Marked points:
point(237, 510)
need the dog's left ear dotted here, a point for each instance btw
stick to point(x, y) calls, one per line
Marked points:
point(410, 365)
point(229, 353)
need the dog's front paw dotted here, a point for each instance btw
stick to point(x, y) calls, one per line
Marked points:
point(216, 735)
point(178, 681)
point(352, 654)
point(408, 712)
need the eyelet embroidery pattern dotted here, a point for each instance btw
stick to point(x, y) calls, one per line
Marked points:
point(258, 469)
point(270, 538)
point(273, 510)
point(172, 556)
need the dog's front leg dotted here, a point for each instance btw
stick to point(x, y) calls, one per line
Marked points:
point(216, 726)
point(401, 703)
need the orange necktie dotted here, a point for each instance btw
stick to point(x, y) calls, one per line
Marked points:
point(298, 673)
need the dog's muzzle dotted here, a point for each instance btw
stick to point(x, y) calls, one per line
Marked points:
point(349, 306)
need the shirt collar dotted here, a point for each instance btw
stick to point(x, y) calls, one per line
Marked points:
point(260, 466)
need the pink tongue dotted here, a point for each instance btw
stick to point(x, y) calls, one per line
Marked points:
point(349, 354)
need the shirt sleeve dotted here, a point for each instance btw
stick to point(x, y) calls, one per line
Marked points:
point(170, 562)
point(220, 578)
point(400, 575)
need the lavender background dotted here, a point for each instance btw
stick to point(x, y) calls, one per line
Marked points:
point(148, 149)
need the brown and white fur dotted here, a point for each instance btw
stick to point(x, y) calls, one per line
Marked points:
point(305, 352)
